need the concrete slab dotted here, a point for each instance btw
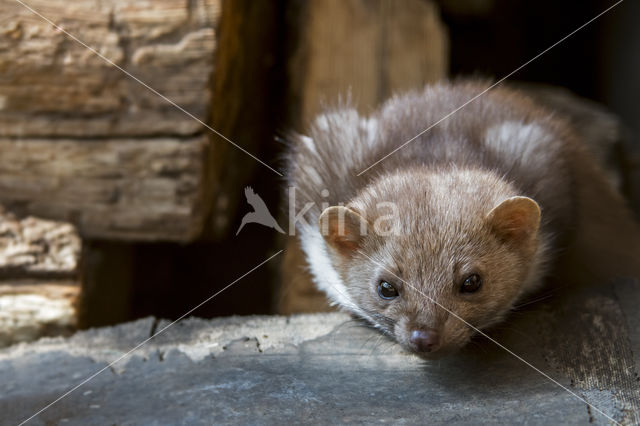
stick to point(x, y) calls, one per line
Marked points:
point(328, 369)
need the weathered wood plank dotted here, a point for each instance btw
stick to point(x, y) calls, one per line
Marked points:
point(132, 189)
point(278, 370)
point(31, 247)
point(53, 86)
point(30, 310)
point(368, 49)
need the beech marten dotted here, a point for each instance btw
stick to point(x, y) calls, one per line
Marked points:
point(462, 222)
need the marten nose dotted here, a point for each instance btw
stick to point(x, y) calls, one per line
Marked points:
point(424, 340)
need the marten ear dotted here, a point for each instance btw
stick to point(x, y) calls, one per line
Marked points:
point(515, 219)
point(343, 228)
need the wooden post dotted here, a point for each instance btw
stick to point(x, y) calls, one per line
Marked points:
point(106, 273)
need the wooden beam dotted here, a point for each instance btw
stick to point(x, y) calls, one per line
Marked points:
point(30, 310)
point(82, 141)
point(127, 189)
point(52, 86)
point(31, 247)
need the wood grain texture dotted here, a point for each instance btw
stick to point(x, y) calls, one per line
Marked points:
point(591, 345)
point(30, 310)
point(81, 141)
point(132, 189)
point(32, 247)
point(52, 86)
point(366, 49)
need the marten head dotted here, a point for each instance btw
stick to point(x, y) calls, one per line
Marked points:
point(426, 256)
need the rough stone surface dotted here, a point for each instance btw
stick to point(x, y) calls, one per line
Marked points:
point(327, 369)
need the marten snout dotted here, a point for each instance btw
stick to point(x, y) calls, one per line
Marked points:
point(424, 340)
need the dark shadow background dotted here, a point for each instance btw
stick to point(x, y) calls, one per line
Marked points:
point(488, 38)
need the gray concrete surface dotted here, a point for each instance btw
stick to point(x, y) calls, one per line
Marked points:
point(327, 369)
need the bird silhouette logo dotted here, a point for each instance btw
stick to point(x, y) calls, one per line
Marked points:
point(260, 213)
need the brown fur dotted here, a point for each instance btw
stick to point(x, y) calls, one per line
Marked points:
point(454, 189)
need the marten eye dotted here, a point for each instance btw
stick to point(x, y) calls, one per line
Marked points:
point(387, 291)
point(471, 284)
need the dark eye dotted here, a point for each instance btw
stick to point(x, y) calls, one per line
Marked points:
point(471, 284)
point(387, 291)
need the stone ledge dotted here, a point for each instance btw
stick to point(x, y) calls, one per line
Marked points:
point(326, 368)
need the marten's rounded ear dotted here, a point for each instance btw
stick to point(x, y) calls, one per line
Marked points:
point(343, 228)
point(515, 219)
